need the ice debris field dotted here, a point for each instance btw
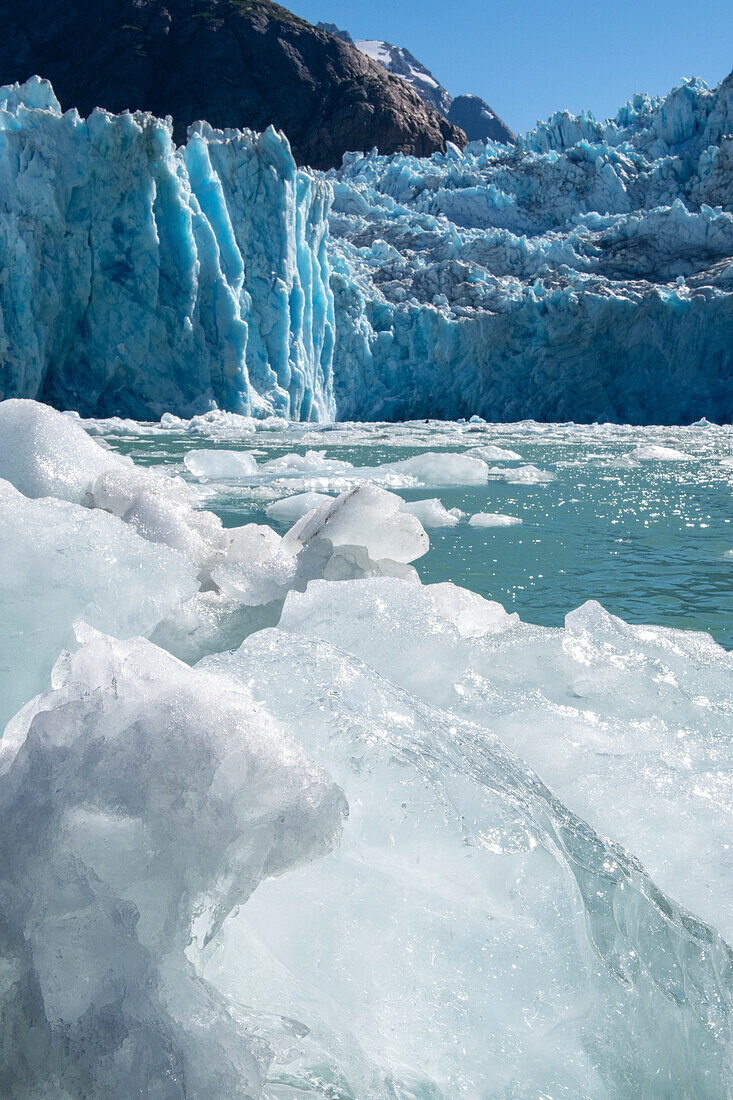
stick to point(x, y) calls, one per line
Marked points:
point(585, 274)
point(287, 813)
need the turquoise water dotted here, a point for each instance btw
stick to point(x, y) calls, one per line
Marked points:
point(651, 540)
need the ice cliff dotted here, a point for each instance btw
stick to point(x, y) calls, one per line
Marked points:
point(584, 274)
point(141, 278)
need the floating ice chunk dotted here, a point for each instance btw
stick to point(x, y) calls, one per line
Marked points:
point(61, 562)
point(253, 543)
point(221, 465)
point(493, 519)
point(362, 533)
point(442, 468)
point(462, 879)
point(432, 512)
point(312, 462)
point(294, 508)
point(652, 453)
point(144, 802)
point(365, 516)
point(523, 475)
point(490, 453)
point(727, 463)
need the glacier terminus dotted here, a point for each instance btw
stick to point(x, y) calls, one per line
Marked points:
point(585, 273)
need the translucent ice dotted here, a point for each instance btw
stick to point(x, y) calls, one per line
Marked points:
point(470, 937)
point(140, 804)
point(61, 562)
point(612, 716)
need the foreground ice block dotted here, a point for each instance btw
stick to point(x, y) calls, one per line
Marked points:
point(629, 725)
point(140, 804)
point(61, 562)
point(47, 454)
point(470, 937)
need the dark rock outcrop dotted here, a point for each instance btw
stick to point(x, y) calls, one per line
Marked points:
point(400, 62)
point(478, 121)
point(235, 63)
point(333, 29)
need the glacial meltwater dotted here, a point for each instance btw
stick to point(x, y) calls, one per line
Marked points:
point(640, 519)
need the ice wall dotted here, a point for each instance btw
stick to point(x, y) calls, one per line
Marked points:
point(586, 274)
point(138, 278)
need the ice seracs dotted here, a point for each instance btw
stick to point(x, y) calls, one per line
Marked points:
point(149, 279)
point(584, 274)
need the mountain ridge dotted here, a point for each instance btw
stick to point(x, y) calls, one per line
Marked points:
point(470, 113)
point(215, 60)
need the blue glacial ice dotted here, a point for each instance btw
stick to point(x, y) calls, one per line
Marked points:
point(584, 274)
point(142, 279)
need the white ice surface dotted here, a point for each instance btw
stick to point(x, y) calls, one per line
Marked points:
point(493, 519)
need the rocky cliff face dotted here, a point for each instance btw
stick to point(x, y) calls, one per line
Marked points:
point(235, 63)
point(398, 60)
point(469, 113)
point(478, 121)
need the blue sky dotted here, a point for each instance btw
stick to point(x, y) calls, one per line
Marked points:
point(531, 57)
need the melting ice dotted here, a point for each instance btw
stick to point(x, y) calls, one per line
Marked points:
point(284, 815)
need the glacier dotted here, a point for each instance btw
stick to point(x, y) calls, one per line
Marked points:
point(585, 273)
point(141, 279)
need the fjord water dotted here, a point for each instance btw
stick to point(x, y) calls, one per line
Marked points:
point(650, 539)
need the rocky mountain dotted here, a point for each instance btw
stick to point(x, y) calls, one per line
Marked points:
point(398, 60)
point(468, 112)
point(235, 63)
point(478, 121)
